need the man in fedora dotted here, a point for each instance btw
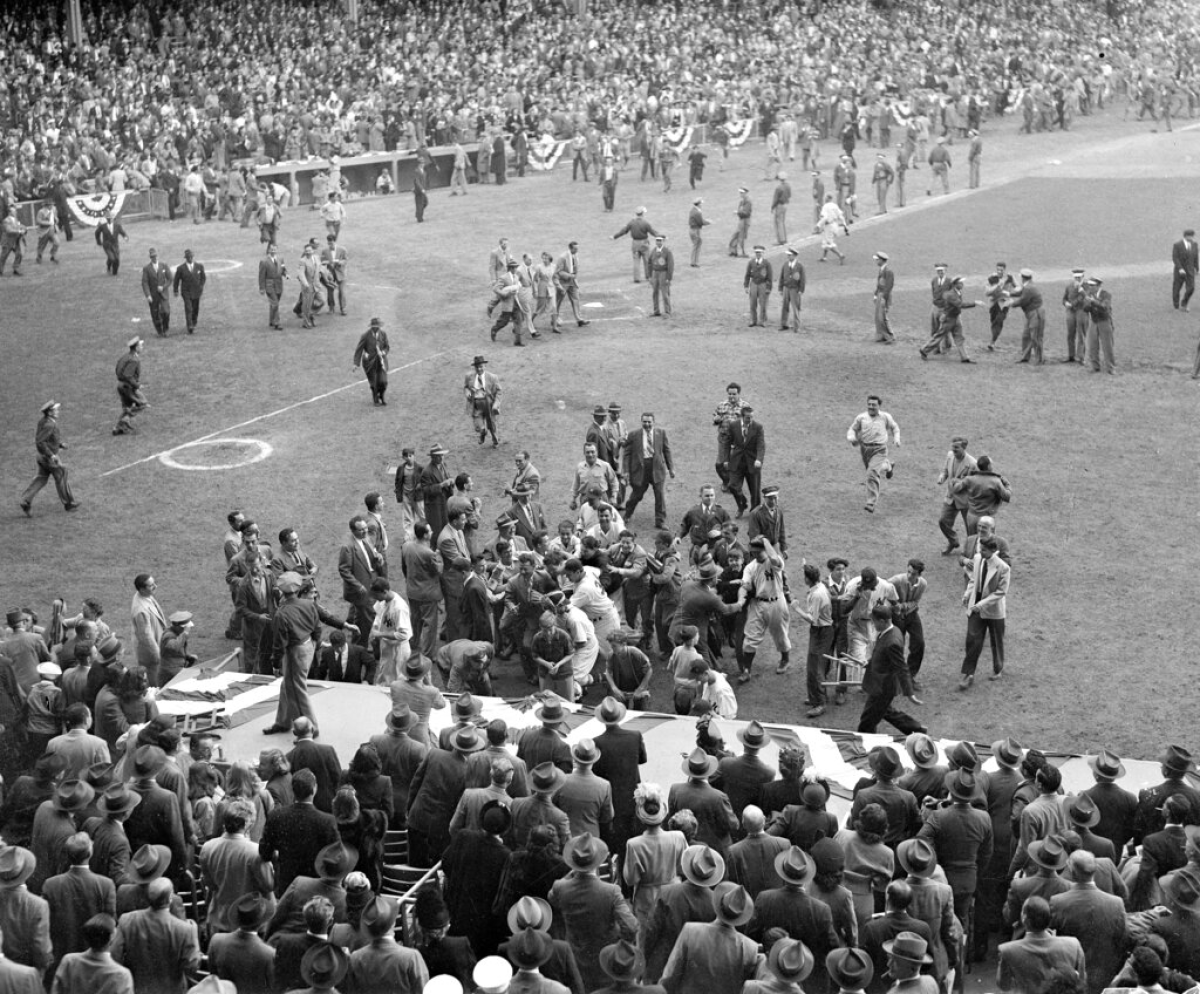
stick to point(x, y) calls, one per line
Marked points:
point(906, 956)
point(538, 809)
point(48, 440)
point(482, 391)
point(433, 488)
point(742, 777)
point(75, 896)
point(715, 957)
point(928, 776)
point(241, 956)
point(624, 965)
point(875, 935)
point(53, 825)
point(961, 835)
point(699, 604)
point(1118, 806)
point(473, 864)
point(323, 967)
point(160, 950)
point(536, 913)
point(791, 908)
point(688, 900)
point(1049, 859)
point(594, 913)
point(547, 743)
point(1083, 816)
point(372, 354)
point(110, 844)
point(331, 866)
point(1181, 928)
point(1096, 919)
point(1175, 762)
point(788, 963)
point(711, 807)
point(899, 804)
point(24, 917)
point(1026, 964)
point(621, 751)
point(989, 894)
point(296, 833)
point(585, 797)
point(384, 964)
point(850, 969)
point(157, 820)
point(529, 950)
point(932, 901)
point(436, 788)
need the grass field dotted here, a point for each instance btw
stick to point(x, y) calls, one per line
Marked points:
point(1103, 557)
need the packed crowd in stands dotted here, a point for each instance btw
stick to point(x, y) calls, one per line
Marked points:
point(162, 86)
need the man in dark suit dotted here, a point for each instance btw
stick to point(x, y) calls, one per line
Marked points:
point(1096, 919)
point(295, 834)
point(1117, 805)
point(242, 957)
point(747, 449)
point(752, 861)
point(254, 599)
point(1175, 762)
point(358, 565)
point(322, 760)
point(75, 896)
point(887, 669)
point(157, 820)
point(742, 777)
point(883, 928)
point(885, 279)
point(1185, 258)
point(622, 752)
point(1162, 852)
point(190, 279)
point(344, 663)
point(434, 794)
point(791, 908)
point(271, 274)
point(710, 806)
point(156, 287)
point(648, 462)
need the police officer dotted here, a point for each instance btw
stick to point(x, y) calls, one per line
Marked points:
point(758, 285)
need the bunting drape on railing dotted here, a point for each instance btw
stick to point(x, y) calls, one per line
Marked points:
point(545, 152)
point(739, 131)
point(678, 138)
point(91, 209)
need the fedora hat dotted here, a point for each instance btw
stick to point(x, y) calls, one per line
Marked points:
point(585, 752)
point(1049, 853)
point(917, 857)
point(480, 360)
point(733, 904)
point(699, 764)
point(622, 961)
point(399, 718)
point(794, 866)
point(149, 863)
point(849, 968)
point(530, 912)
point(118, 799)
point(466, 706)
point(585, 852)
point(1082, 811)
point(790, 960)
point(467, 740)
point(1106, 766)
point(886, 762)
point(379, 915)
point(250, 911)
point(963, 755)
point(289, 582)
point(1182, 888)
point(546, 778)
point(909, 946)
point(148, 761)
point(414, 666)
point(335, 860)
point(324, 965)
point(1008, 752)
point(962, 785)
point(753, 736)
point(709, 571)
point(922, 750)
point(529, 949)
point(550, 711)
point(611, 711)
point(73, 795)
point(99, 775)
point(1177, 759)
point(17, 865)
point(702, 865)
point(439, 450)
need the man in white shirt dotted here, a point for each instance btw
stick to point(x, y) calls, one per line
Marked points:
point(863, 592)
point(591, 599)
point(585, 648)
point(870, 433)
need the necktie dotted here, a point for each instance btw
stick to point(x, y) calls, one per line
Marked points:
point(647, 445)
point(983, 572)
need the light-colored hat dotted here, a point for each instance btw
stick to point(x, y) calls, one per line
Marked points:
point(702, 865)
point(794, 866)
point(909, 946)
point(585, 852)
point(922, 750)
point(530, 912)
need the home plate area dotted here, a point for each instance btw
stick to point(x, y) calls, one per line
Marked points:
point(609, 305)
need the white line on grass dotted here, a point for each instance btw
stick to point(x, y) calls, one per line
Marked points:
point(262, 417)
